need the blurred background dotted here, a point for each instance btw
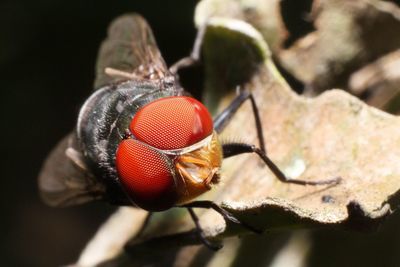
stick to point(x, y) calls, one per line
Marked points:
point(47, 57)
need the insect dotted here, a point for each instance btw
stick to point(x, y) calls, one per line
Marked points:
point(141, 139)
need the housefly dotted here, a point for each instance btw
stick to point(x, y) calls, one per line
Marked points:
point(140, 139)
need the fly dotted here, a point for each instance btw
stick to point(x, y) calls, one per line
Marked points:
point(141, 140)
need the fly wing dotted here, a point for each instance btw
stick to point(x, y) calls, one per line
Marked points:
point(130, 48)
point(65, 180)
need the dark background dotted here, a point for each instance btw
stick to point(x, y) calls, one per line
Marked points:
point(47, 55)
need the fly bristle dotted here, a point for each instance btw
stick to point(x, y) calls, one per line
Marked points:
point(233, 139)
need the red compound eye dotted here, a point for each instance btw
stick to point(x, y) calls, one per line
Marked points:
point(172, 122)
point(145, 175)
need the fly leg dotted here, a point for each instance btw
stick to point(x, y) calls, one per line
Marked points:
point(222, 119)
point(228, 217)
point(233, 149)
point(200, 232)
point(194, 57)
point(190, 237)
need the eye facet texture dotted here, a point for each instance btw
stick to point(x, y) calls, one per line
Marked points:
point(172, 123)
point(146, 175)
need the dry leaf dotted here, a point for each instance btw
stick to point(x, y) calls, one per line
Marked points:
point(332, 135)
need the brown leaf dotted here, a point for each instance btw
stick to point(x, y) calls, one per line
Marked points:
point(332, 135)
